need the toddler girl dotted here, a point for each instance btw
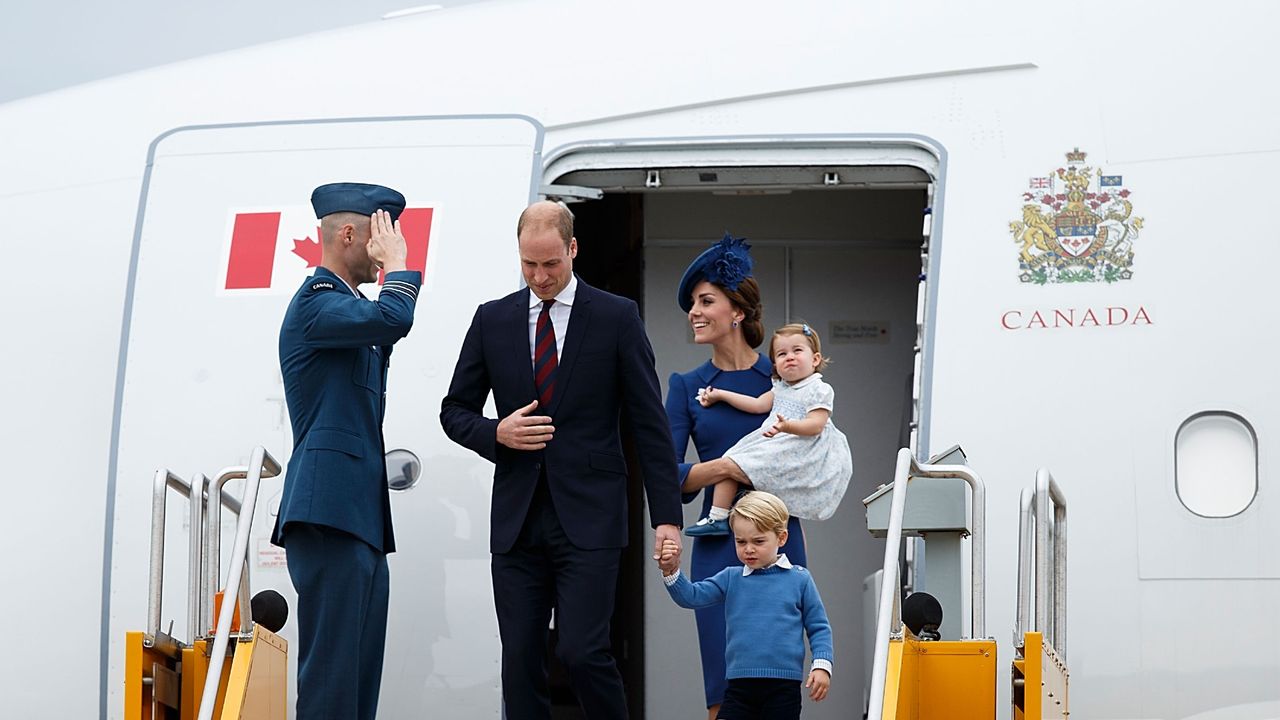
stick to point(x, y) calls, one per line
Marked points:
point(798, 454)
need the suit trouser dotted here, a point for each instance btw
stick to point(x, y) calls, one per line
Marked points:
point(343, 591)
point(544, 570)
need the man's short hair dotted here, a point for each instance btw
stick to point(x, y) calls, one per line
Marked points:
point(765, 510)
point(534, 218)
point(329, 224)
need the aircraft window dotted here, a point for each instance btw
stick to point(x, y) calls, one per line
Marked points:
point(403, 469)
point(1216, 464)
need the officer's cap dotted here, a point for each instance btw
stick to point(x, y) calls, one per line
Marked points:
point(357, 198)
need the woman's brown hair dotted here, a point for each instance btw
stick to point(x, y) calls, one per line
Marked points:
point(747, 300)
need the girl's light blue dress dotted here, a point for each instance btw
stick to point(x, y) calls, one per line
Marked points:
point(809, 472)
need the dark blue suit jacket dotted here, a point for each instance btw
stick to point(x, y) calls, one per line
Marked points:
point(605, 378)
point(334, 353)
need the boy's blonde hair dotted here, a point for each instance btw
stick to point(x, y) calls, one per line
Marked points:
point(766, 511)
point(808, 333)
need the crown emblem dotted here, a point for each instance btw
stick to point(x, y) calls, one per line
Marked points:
point(1077, 226)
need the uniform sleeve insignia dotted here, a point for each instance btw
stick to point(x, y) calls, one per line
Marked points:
point(322, 285)
point(1076, 226)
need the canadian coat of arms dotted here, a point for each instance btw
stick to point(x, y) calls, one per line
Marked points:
point(1077, 226)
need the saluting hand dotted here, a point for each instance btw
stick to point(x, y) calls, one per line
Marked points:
point(522, 431)
point(386, 242)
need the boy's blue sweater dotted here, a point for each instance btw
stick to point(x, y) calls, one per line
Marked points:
point(767, 614)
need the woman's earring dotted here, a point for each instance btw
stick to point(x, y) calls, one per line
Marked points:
point(735, 323)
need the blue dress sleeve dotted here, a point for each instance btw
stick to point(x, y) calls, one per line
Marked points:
point(681, 423)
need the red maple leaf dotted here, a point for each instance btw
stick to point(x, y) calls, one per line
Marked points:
point(308, 249)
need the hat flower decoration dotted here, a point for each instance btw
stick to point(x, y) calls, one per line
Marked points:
point(731, 263)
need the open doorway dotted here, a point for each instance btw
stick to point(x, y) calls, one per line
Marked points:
point(845, 257)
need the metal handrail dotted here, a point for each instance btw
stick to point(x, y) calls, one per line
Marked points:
point(259, 461)
point(888, 618)
point(213, 534)
point(164, 479)
point(1036, 504)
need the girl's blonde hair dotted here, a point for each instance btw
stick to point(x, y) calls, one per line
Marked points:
point(809, 334)
point(766, 511)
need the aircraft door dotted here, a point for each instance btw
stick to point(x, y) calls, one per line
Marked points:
point(225, 237)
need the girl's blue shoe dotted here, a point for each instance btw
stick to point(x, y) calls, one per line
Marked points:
point(707, 526)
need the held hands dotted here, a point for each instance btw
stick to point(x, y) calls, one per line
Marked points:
point(668, 557)
point(386, 243)
point(780, 426)
point(708, 396)
point(818, 683)
point(522, 431)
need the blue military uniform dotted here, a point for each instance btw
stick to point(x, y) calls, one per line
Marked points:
point(335, 513)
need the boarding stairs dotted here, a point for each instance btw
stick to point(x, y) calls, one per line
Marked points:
point(926, 668)
point(231, 668)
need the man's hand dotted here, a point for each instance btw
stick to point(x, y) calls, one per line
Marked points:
point(669, 557)
point(522, 431)
point(669, 533)
point(778, 427)
point(818, 683)
point(386, 242)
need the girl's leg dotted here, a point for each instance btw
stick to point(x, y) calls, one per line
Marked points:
point(722, 498)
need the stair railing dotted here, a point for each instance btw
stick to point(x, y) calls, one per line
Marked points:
point(888, 614)
point(1050, 572)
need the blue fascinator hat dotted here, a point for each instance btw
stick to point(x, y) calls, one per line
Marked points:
point(727, 263)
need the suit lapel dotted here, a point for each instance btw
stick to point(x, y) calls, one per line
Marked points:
point(579, 317)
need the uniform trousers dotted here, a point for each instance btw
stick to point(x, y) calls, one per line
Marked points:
point(343, 592)
point(761, 699)
point(545, 570)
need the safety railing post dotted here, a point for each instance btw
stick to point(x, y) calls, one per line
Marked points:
point(261, 464)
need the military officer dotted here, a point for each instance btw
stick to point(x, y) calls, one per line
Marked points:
point(335, 513)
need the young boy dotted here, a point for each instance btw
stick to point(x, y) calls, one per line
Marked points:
point(768, 602)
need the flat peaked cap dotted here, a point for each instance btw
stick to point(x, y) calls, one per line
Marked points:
point(359, 198)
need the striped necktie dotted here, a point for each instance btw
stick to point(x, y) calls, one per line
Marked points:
point(544, 356)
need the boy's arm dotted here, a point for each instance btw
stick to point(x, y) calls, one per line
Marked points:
point(703, 593)
point(745, 403)
point(817, 627)
point(811, 424)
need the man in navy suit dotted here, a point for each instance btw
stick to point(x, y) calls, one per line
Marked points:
point(580, 359)
point(335, 513)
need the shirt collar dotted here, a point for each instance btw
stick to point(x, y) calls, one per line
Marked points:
point(336, 276)
point(801, 383)
point(781, 562)
point(565, 297)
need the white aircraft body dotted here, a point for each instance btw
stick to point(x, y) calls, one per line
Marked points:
point(1064, 196)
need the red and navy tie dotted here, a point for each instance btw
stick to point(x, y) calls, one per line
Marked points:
point(544, 355)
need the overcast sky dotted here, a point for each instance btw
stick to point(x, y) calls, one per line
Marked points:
point(51, 44)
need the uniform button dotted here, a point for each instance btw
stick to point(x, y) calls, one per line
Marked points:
point(537, 466)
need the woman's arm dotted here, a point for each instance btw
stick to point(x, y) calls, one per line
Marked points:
point(745, 403)
point(811, 424)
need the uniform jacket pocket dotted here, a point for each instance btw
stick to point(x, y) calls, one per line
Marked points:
point(335, 439)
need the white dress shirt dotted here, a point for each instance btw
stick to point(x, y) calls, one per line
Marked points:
point(559, 316)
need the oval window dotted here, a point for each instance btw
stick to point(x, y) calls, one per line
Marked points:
point(1216, 464)
point(403, 469)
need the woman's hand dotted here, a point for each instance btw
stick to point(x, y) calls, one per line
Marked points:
point(818, 683)
point(708, 396)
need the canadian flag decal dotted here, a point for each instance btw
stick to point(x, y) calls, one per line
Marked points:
point(273, 251)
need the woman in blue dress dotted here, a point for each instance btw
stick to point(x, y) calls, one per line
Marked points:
point(723, 302)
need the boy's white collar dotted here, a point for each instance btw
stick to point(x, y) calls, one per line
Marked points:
point(781, 562)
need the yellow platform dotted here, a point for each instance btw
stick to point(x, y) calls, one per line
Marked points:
point(940, 680)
